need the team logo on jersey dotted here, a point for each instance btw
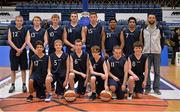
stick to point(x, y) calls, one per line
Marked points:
point(133, 64)
point(51, 34)
point(75, 61)
point(69, 30)
point(90, 31)
point(15, 34)
point(36, 63)
point(127, 34)
point(108, 35)
point(33, 34)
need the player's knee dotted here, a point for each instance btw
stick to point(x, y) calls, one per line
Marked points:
point(131, 79)
point(112, 88)
point(48, 79)
point(31, 82)
point(93, 79)
point(71, 75)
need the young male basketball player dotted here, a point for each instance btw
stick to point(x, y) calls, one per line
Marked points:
point(79, 67)
point(18, 55)
point(58, 70)
point(118, 72)
point(99, 73)
point(38, 72)
point(34, 34)
point(54, 32)
point(138, 70)
point(72, 32)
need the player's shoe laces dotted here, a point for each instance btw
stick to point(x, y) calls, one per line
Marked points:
point(29, 98)
point(48, 98)
point(12, 89)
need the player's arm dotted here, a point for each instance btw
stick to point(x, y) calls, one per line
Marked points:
point(145, 73)
point(92, 70)
point(31, 68)
point(45, 38)
point(28, 41)
point(103, 41)
point(140, 36)
point(87, 70)
point(130, 71)
point(122, 39)
point(10, 41)
point(110, 74)
point(72, 68)
point(83, 34)
point(106, 76)
point(67, 66)
point(65, 39)
point(49, 66)
point(125, 76)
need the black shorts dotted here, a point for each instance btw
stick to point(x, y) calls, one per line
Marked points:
point(99, 84)
point(81, 89)
point(17, 61)
point(138, 85)
point(59, 84)
point(39, 84)
point(119, 93)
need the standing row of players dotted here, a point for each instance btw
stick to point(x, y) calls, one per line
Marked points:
point(93, 34)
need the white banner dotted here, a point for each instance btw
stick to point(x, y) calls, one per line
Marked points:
point(8, 16)
point(101, 16)
point(177, 58)
point(43, 15)
point(126, 16)
point(171, 15)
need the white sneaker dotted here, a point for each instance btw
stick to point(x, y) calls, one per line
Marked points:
point(114, 96)
point(48, 98)
point(129, 97)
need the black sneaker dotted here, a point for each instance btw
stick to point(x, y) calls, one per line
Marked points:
point(29, 98)
point(147, 91)
point(42, 98)
point(93, 96)
point(12, 89)
point(24, 88)
point(157, 92)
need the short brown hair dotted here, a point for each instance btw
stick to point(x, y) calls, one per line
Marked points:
point(74, 12)
point(58, 41)
point(78, 40)
point(92, 13)
point(39, 43)
point(18, 17)
point(116, 47)
point(138, 44)
point(95, 49)
point(37, 17)
point(55, 16)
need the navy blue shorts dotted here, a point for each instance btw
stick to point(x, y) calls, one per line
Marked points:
point(99, 84)
point(81, 89)
point(59, 84)
point(17, 61)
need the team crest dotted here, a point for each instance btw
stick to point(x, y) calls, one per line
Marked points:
point(90, 31)
point(51, 34)
point(133, 64)
point(33, 34)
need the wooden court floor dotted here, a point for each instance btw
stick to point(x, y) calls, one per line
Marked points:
point(148, 103)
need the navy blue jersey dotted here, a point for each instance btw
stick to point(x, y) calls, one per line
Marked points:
point(138, 66)
point(79, 63)
point(40, 66)
point(73, 33)
point(97, 66)
point(58, 64)
point(117, 66)
point(112, 38)
point(36, 35)
point(54, 35)
point(129, 39)
point(93, 35)
point(18, 36)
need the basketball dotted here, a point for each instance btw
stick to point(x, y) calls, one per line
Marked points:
point(105, 95)
point(70, 95)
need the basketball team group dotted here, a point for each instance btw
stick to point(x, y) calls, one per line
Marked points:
point(107, 59)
